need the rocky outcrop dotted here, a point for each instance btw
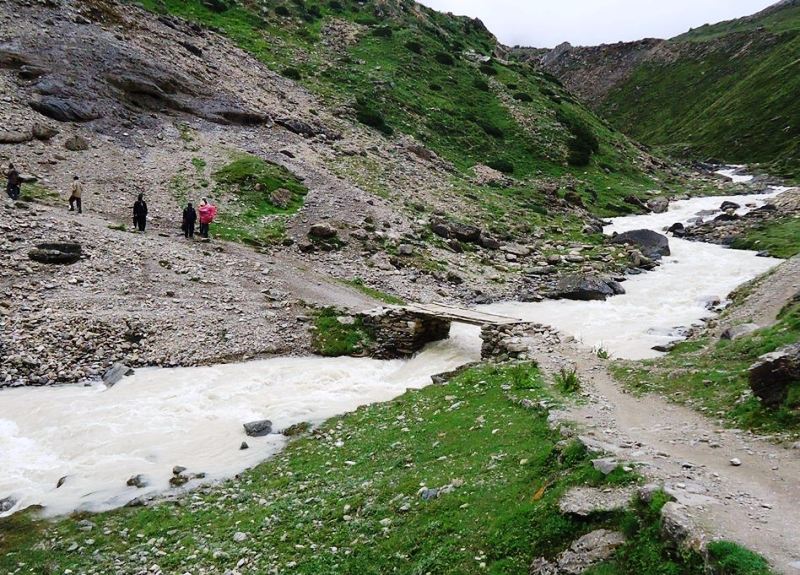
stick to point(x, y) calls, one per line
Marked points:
point(589, 550)
point(772, 375)
point(585, 501)
point(652, 244)
point(514, 341)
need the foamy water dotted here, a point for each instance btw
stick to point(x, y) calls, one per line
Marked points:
point(159, 418)
point(97, 438)
point(659, 305)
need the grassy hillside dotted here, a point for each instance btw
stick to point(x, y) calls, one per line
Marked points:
point(400, 68)
point(727, 91)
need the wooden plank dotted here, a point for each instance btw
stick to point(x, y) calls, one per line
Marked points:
point(460, 315)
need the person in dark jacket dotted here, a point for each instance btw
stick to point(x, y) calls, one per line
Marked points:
point(14, 181)
point(140, 213)
point(189, 219)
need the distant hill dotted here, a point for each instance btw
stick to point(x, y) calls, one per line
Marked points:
point(727, 90)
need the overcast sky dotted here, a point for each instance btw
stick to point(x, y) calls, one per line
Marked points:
point(546, 23)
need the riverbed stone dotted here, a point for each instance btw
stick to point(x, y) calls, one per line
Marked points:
point(258, 428)
point(652, 244)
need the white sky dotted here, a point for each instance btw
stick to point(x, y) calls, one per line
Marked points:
point(546, 23)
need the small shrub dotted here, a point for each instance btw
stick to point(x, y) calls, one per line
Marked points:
point(583, 142)
point(435, 87)
point(511, 86)
point(382, 32)
point(292, 74)
point(366, 20)
point(444, 59)
point(602, 353)
point(371, 117)
point(481, 85)
point(335, 5)
point(493, 131)
point(523, 97)
point(501, 165)
point(414, 46)
point(731, 559)
point(488, 69)
point(282, 11)
point(567, 380)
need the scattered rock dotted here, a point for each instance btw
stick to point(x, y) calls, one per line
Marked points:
point(589, 550)
point(178, 469)
point(737, 331)
point(244, 446)
point(258, 428)
point(115, 373)
point(605, 465)
point(658, 205)
point(43, 132)
point(736, 462)
point(63, 110)
point(281, 198)
point(728, 205)
point(322, 230)
point(76, 144)
point(59, 253)
point(240, 537)
point(137, 481)
point(7, 503)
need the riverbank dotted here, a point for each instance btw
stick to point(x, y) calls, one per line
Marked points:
point(463, 477)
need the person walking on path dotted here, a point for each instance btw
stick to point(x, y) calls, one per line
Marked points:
point(140, 214)
point(206, 212)
point(14, 181)
point(189, 219)
point(75, 197)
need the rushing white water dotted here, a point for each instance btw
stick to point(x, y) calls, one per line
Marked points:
point(98, 438)
point(658, 305)
point(734, 173)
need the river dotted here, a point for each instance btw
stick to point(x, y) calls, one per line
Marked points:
point(92, 439)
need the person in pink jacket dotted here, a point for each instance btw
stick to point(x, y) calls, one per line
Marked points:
point(206, 213)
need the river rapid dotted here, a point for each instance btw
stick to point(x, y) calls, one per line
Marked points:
point(92, 439)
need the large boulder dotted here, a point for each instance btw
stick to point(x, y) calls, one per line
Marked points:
point(652, 244)
point(61, 253)
point(586, 288)
point(773, 374)
point(584, 553)
point(7, 503)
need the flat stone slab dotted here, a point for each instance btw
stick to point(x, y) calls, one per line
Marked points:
point(584, 501)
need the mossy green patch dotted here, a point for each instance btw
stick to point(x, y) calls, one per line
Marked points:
point(337, 334)
point(779, 238)
point(258, 195)
point(377, 294)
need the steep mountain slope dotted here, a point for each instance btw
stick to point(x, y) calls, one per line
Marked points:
point(726, 90)
point(367, 122)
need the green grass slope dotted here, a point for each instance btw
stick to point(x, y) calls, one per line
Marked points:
point(728, 91)
point(400, 68)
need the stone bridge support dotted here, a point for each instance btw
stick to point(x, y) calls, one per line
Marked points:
point(400, 333)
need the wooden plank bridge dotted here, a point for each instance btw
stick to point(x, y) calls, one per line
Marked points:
point(459, 315)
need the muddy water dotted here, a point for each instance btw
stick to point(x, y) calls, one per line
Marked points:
point(93, 439)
